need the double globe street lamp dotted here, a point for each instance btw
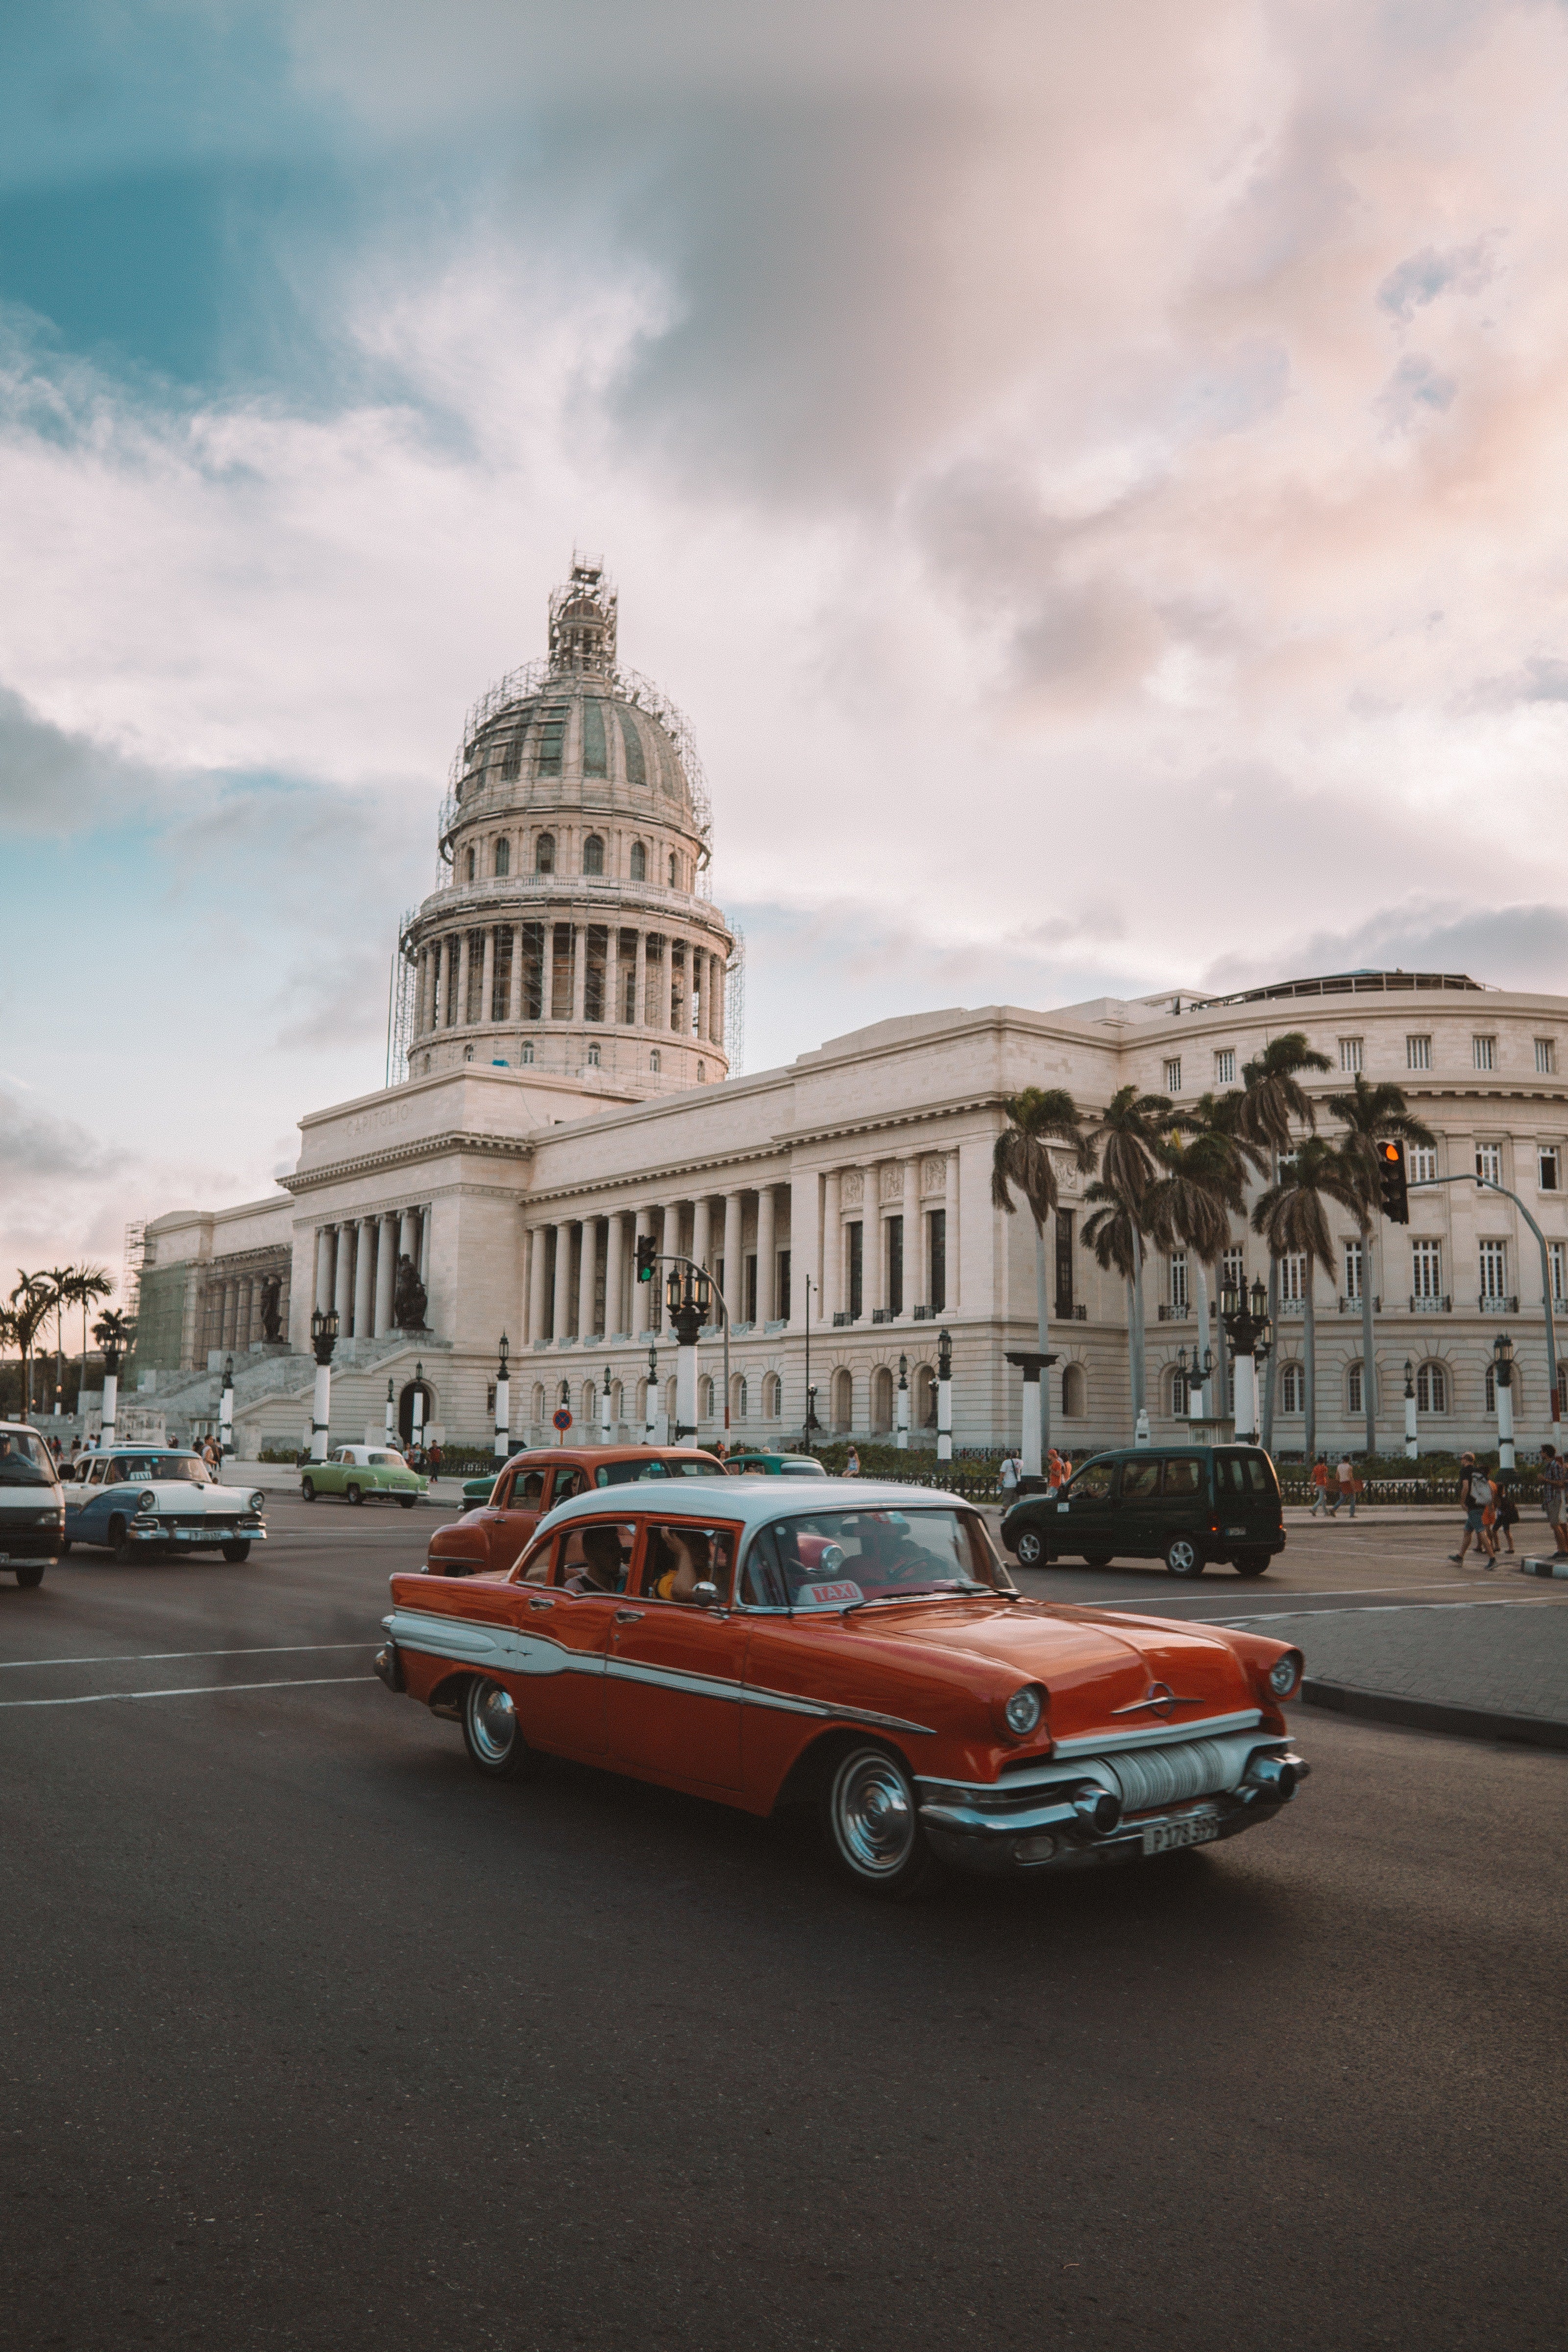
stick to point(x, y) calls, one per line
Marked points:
point(324, 1340)
point(1247, 1329)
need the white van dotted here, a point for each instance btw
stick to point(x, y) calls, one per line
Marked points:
point(32, 1503)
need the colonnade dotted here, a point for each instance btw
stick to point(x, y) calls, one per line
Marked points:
point(570, 972)
point(232, 1309)
point(356, 1267)
point(582, 1270)
point(890, 1238)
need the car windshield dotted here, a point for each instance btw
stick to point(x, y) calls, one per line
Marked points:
point(388, 1461)
point(24, 1460)
point(830, 1560)
point(188, 1466)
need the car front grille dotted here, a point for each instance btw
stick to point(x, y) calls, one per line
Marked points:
point(1163, 1776)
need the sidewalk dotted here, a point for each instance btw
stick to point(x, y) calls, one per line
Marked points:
point(1483, 1667)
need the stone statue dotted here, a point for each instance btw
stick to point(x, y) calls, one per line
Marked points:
point(271, 1320)
point(408, 1296)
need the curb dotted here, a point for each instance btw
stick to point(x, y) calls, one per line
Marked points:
point(1433, 1715)
point(1554, 1564)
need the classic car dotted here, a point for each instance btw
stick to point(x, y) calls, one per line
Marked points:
point(32, 1508)
point(1185, 1504)
point(490, 1536)
point(357, 1471)
point(159, 1499)
point(759, 1464)
point(864, 1651)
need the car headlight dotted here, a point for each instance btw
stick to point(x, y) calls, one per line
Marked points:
point(258, 1502)
point(147, 1500)
point(1285, 1674)
point(1023, 1709)
point(49, 1519)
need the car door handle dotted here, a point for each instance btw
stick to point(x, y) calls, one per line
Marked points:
point(542, 1604)
point(629, 1616)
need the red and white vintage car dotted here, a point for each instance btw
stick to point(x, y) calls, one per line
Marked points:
point(862, 1649)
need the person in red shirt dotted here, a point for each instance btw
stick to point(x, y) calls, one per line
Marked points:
point(1321, 1484)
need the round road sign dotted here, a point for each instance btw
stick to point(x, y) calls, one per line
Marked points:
point(560, 1418)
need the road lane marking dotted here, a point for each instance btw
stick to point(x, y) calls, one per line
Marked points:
point(196, 1690)
point(158, 1657)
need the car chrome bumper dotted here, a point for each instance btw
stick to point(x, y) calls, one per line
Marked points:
point(1079, 1820)
point(191, 1538)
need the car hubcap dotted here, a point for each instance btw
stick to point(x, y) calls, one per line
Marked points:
point(873, 1816)
point(493, 1722)
point(1029, 1549)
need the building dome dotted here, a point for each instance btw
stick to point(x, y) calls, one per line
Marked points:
point(574, 841)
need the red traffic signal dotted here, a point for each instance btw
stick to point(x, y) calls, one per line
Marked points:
point(1392, 1189)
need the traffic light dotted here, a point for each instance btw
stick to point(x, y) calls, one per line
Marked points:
point(645, 1257)
point(1392, 1185)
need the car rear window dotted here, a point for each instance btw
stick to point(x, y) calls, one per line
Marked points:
point(1247, 1473)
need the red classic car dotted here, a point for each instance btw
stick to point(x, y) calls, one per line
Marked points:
point(862, 1649)
point(489, 1538)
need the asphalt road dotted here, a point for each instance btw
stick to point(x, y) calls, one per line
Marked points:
point(313, 2039)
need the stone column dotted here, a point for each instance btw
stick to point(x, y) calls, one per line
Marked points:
point(702, 1230)
point(766, 1256)
point(560, 1315)
point(424, 1215)
point(514, 997)
point(912, 1251)
point(734, 1257)
point(461, 994)
point(579, 972)
point(343, 1283)
point(612, 987)
point(385, 1273)
point(642, 1292)
point(950, 1204)
point(587, 1271)
point(639, 1006)
point(487, 975)
point(666, 984)
point(537, 1270)
point(615, 1272)
point(832, 1246)
point(364, 1272)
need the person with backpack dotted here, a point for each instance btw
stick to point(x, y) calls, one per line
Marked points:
point(1475, 1501)
point(1009, 1476)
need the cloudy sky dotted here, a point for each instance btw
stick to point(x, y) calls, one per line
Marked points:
point(1093, 476)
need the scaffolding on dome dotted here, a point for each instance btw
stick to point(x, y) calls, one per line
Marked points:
point(135, 1258)
point(735, 1003)
point(400, 1004)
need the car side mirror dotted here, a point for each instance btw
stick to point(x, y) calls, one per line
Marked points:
point(705, 1595)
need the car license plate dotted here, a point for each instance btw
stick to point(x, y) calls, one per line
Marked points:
point(1164, 1837)
point(4, 1556)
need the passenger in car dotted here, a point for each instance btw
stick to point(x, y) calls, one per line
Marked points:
point(682, 1559)
point(603, 1570)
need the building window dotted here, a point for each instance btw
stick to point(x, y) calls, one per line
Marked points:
point(1545, 1056)
point(653, 972)
point(637, 765)
point(1232, 1271)
point(1353, 1271)
point(511, 759)
point(1418, 1053)
point(596, 942)
point(525, 1055)
point(781, 1302)
point(545, 854)
point(1178, 1395)
point(772, 1396)
point(1421, 1163)
point(1224, 1066)
point(841, 1408)
point(895, 1265)
point(500, 981)
point(640, 861)
point(653, 1062)
point(702, 1074)
point(1292, 1388)
point(469, 865)
point(561, 972)
point(552, 736)
point(593, 854)
point(857, 1234)
point(1488, 1162)
point(1557, 1259)
point(1075, 1392)
point(1548, 1169)
point(1426, 1269)
point(678, 985)
point(1350, 1054)
point(1431, 1389)
point(593, 1058)
point(674, 871)
point(595, 762)
point(1494, 1271)
point(533, 972)
point(1485, 1052)
point(503, 856)
point(1179, 1281)
point(1173, 1077)
point(739, 1407)
point(1352, 1391)
point(1293, 1277)
point(938, 1223)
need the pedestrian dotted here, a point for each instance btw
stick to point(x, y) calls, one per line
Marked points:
point(1056, 1473)
point(852, 1466)
point(1009, 1475)
point(1321, 1486)
point(1505, 1513)
point(1475, 1499)
point(435, 1451)
point(1349, 1485)
point(1555, 1488)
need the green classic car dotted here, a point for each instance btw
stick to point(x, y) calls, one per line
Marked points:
point(357, 1471)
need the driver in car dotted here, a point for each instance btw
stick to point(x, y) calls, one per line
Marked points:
point(602, 1569)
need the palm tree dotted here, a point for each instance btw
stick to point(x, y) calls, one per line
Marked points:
point(85, 1286)
point(1373, 1114)
point(1189, 1206)
point(58, 1278)
point(1290, 1216)
point(1021, 1160)
point(32, 1302)
point(1129, 1134)
point(1272, 1100)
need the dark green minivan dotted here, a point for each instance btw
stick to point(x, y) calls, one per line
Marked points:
point(1186, 1504)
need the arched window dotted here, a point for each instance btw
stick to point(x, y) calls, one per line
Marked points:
point(1178, 1388)
point(705, 1399)
point(923, 1404)
point(469, 866)
point(545, 854)
point(593, 854)
point(503, 856)
point(841, 1411)
point(1292, 1388)
point(590, 1404)
point(654, 1063)
point(702, 1074)
point(642, 1404)
point(617, 1404)
point(674, 871)
point(1075, 1392)
point(670, 1401)
point(640, 861)
point(773, 1397)
point(882, 1401)
point(1431, 1389)
point(1354, 1396)
point(737, 1396)
point(536, 1409)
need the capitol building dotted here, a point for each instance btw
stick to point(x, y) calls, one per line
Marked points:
point(562, 1083)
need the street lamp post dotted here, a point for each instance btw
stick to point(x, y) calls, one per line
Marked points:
point(649, 1417)
point(944, 1396)
point(901, 1439)
point(1197, 1375)
point(391, 1411)
point(417, 1423)
point(1249, 1330)
point(605, 1420)
point(688, 1295)
point(1502, 1379)
point(810, 1391)
point(324, 1340)
point(1412, 1445)
point(111, 1360)
point(226, 1411)
point(1032, 1364)
point(503, 1403)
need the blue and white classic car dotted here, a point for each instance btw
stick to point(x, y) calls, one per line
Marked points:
point(143, 1498)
